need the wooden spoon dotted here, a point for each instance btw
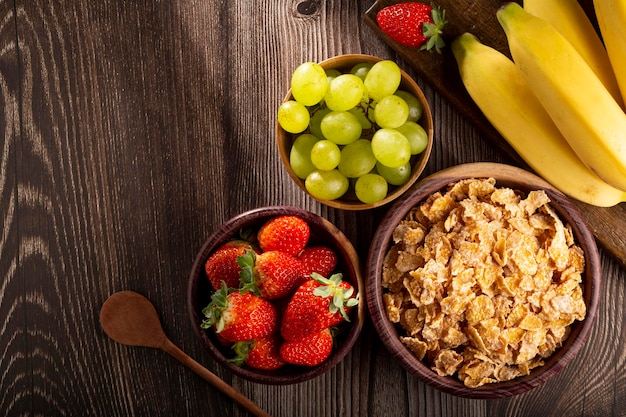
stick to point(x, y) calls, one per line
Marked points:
point(130, 318)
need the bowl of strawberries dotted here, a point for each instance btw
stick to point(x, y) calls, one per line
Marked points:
point(274, 295)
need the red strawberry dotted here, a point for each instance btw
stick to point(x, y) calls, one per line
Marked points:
point(317, 304)
point(222, 341)
point(413, 24)
point(271, 275)
point(260, 353)
point(238, 316)
point(320, 259)
point(288, 234)
point(222, 264)
point(308, 351)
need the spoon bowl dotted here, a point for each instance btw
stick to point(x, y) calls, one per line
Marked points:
point(130, 319)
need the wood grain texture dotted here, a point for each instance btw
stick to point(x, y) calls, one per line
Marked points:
point(129, 132)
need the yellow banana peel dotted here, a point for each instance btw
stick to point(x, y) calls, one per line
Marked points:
point(583, 110)
point(571, 21)
point(503, 95)
point(611, 15)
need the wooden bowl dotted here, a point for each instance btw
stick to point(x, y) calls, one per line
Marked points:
point(199, 293)
point(505, 176)
point(344, 63)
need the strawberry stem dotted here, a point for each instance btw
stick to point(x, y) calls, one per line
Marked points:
point(246, 275)
point(213, 311)
point(242, 350)
point(433, 31)
point(341, 297)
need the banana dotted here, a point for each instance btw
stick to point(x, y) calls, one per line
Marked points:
point(584, 111)
point(503, 95)
point(611, 15)
point(571, 21)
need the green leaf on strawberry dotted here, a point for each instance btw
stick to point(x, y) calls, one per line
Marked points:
point(434, 30)
point(242, 350)
point(246, 275)
point(213, 311)
point(341, 296)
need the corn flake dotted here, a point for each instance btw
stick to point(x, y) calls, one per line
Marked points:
point(483, 281)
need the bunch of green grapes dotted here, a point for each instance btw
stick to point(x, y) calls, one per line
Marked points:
point(352, 130)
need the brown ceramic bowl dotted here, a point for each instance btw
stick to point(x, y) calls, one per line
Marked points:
point(199, 293)
point(505, 176)
point(344, 63)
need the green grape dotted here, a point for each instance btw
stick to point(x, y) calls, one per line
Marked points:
point(391, 148)
point(344, 92)
point(357, 159)
point(416, 135)
point(293, 116)
point(316, 120)
point(326, 185)
point(370, 188)
point(359, 112)
point(391, 112)
point(415, 106)
point(383, 79)
point(361, 70)
point(300, 155)
point(341, 127)
point(395, 176)
point(332, 73)
point(309, 83)
point(325, 155)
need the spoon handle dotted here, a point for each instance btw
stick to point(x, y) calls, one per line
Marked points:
point(213, 379)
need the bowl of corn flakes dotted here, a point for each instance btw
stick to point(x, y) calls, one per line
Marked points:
point(483, 281)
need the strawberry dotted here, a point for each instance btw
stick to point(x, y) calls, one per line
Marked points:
point(260, 353)
point(317, 304)
point(237, 316)
point(311, 350)
point(413, 24)
point(222, 264)
point(320, 259)
point(271, 275)
point(288, 234)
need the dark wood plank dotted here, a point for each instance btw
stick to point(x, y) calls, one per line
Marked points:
point(12, 311)
point(131, 130)
point(479, 18)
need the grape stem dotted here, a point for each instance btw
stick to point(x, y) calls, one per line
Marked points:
point(364, 107)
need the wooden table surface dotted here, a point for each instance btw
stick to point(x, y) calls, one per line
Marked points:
point(129, 131)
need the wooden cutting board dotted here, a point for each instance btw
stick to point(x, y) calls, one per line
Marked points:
point(479, 17)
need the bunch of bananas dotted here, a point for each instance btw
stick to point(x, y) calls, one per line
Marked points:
point(560, 102)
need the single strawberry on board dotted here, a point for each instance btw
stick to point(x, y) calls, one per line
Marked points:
point(320, 259)
point(271, 275)
point(262, 353)
point(414, 24)
point(288, 234)
point(222, 264)
point(237, 316)
point(310, 350)
point(317, 304)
